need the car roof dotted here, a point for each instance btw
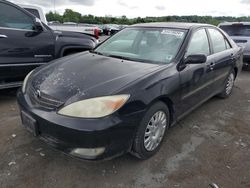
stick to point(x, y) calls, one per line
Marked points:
point(234, 23)
point(178, 25)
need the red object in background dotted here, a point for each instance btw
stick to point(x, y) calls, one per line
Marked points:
point(96, 32)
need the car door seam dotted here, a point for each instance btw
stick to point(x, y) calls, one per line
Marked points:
point(204, 86)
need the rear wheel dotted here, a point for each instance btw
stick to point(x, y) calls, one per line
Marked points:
point(151, 131)
point(228, 86)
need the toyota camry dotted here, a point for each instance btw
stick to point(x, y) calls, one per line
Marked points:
point(124, 95)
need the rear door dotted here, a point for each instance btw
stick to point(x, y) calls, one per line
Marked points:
point(196, 79)
point(22, 48)
point(224, 57)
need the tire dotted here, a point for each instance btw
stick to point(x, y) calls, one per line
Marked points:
point(228, 86)
point(146, 131)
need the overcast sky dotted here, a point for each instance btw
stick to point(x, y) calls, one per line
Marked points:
point(143, 8)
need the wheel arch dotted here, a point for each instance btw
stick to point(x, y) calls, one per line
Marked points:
point(168, 102)
point(68, 49)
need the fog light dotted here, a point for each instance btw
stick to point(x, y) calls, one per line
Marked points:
point(88, 153)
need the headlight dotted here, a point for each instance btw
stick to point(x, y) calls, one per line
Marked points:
point(25, 81)
point(95, 107)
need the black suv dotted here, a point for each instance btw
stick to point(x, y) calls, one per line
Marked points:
point(26, 43)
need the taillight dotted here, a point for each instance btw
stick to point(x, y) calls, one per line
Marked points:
point(96, 33)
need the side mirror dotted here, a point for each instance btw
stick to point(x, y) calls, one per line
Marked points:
point(38, 26)
point(195, 59)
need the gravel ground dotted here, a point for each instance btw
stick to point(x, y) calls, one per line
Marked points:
point(211, 145)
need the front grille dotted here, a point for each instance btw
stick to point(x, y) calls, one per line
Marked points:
point(42, 100)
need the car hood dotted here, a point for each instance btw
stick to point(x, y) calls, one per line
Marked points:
point(87, 75)
point(242, 41)
point(73, 34)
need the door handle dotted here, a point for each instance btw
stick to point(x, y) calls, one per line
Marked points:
point(232, 57)
point(211, 66)
point(3, 36)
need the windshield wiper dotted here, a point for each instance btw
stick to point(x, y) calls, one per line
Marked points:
point(95, 52)
point(108, 55)
point(120, 57)
point(125, 58)
point(134, 59)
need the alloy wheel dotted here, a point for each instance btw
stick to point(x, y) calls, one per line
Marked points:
point(155, 130)
point(230, 84)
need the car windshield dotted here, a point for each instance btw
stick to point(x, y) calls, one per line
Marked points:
point(152, 45)
point(236, 30)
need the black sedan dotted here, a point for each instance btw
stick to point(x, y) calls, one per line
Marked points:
point(124, 95)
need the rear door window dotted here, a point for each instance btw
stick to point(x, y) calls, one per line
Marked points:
point(218, 40)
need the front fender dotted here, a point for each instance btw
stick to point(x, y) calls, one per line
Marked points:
point(161, 85)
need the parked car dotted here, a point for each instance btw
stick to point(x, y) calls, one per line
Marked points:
point(122, 26)
point(93, 31)
point(53, 22)
point(69, 23)
point(66, 26)
point(26, 43)
point(240, 33)
point(124, 95)
point(110, 29)
point(79, 28)
point(98, 28)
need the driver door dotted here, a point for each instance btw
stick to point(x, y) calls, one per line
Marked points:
point(196, 80)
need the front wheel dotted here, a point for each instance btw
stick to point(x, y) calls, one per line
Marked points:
point(228, 86)
point(151, 131)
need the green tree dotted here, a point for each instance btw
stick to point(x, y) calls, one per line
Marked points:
point(71, 16)
point(54, 17)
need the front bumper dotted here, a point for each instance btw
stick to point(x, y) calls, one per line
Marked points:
point(113, 133)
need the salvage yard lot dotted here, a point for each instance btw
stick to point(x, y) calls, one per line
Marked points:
point(211, 145)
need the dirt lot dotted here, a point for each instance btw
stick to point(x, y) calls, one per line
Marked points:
point(211, 145)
